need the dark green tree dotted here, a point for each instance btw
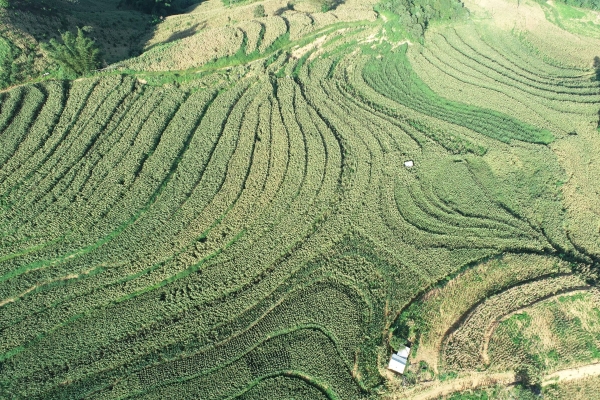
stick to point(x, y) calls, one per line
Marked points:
point(77, 55)
point(592, 4)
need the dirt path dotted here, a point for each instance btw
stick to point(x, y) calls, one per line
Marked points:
point(34, 287)
point(473, 381)
point(572, 374)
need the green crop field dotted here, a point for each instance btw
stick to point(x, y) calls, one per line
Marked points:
point(238, 204)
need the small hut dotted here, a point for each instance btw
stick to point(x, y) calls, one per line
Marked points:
point(399, 360)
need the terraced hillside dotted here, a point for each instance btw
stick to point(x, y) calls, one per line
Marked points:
point(239, 222)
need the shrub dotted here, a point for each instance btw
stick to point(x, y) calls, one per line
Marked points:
point(28, 5)
point(9, 68)
point(396, 343)
point(259, 11)
point(530, 375)
point(592, 4)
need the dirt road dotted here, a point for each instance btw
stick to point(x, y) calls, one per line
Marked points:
point(473, 381)
point(435, 390)
point(572, 374)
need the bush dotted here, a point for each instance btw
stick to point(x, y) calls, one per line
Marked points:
point(327, 5)
point(530, 375)
point(77, 55)
point(259, 11)
point(396, 343)
point(29, 5)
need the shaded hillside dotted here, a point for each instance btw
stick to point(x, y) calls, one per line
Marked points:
point(119, 32)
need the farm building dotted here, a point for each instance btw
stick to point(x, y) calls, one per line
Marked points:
point(399, 360)
point(409, 164)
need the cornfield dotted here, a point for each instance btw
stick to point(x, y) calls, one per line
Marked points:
point(256, 237)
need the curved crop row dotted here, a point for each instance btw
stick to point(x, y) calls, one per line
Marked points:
point(393, 77)
point(77, 95)
point(259, 167)
point(254, 32)
point(275, 27)
point(486, 72)
point(283, 386)
point(12, 135)
point(277, 356)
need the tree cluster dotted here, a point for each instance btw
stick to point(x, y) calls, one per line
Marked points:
point(259, 11)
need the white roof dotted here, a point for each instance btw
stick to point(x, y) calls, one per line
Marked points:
point(399, 360)
point(404, 352)
point(397, 364)
point(409, 163)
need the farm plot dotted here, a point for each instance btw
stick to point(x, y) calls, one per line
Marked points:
point(580, 389)
point(518, 311)
point(385, 76)
point(581, 21)
point(192, 51)
point(523, 73)
point(466, 347)
point(555, 334)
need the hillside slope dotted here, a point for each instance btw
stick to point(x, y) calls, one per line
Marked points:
point(241, 221)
